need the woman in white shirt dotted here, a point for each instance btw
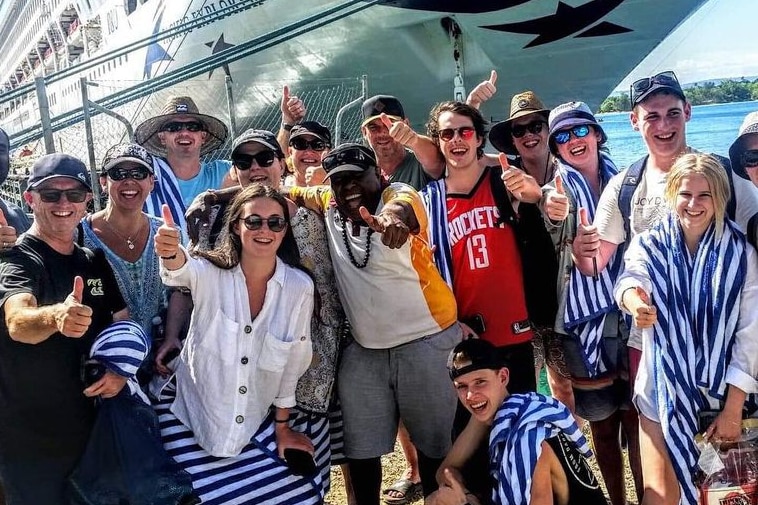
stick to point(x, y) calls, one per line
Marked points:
point(691, 283)
point(247, 345)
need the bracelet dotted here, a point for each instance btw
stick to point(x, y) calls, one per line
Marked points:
point(287, 127)
point(169, 257)
point(281, 421)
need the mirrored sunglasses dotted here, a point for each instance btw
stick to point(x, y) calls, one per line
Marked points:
point(244, 161)
point(640, 86)
point(176, 126)
point(54, 195)
point(564, 136)
point(255, 222)
point(302, 144)
point(520, 130)
point(750, 158)
point(119, 174)
point(465, 132)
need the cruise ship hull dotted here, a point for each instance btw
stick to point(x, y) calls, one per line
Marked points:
point(421, 51)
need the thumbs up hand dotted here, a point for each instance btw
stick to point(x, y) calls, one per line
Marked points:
point(7, 234)
point(483, 91)
point(637, 302)
point(556, 202)
point(399, 130)
point(293, 109)
point(587, 241)
point(167, 237)
point(72, 318)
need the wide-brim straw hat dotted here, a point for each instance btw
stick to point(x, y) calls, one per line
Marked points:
point(180, 107)
point(522, 105)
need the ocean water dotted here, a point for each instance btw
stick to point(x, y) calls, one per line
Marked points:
point(712, 129)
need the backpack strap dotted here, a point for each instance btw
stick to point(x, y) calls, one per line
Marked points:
point(502, 199)
point(631, 181)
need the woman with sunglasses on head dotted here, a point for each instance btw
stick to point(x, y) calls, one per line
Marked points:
point(691, 284)
point(592, 332)
point(247, 345)
point(125, 233)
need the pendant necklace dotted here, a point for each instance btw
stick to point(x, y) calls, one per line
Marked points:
point(129, 240)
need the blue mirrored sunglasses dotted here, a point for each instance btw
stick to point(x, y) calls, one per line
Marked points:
point(564, 136)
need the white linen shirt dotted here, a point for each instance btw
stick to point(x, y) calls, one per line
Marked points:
point(232, 368)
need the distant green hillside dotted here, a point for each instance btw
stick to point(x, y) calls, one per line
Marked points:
point(717, 91)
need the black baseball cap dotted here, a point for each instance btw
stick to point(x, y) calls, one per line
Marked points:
point(314, 128)
point(378, 104)
point(262, 137)
point(473, 354)
point(349, 157)
point(57, 165)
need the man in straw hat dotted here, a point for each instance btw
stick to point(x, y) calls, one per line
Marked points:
point(177, 139)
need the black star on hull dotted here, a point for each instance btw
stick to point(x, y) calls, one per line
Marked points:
point(217, 47)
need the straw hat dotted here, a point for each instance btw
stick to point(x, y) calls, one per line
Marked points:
point(522, 105)
point(179, 107)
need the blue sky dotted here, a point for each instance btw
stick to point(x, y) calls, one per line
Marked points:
point(717, 41)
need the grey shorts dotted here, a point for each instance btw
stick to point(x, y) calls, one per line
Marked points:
point(377, 387)
point(598, 397)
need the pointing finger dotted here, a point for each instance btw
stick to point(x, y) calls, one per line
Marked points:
point(559, 187)
point(493, 77)
point(78, 292)
point(166, 214)
point(370, 220)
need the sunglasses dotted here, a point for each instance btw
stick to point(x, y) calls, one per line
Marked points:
point(244, 161)
point(175, 126)
point(465, 132)
point(520, 130)
point(119, 174)
point(302, 144)
point(255, 222)
point(750, 158)
point(351, 156)
point(54, 195)
point(564, 136)
point(640, 86)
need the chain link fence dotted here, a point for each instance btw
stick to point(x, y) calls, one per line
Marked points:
point(255, 106)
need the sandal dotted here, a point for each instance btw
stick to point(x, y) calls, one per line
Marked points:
point(408, 491)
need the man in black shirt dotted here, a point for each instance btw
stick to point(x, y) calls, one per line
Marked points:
point(55, 297)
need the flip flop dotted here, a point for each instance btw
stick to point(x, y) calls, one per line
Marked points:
point(408, 490)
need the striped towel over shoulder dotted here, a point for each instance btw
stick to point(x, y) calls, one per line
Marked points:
point(697, 299)
point(520, 426)
point(122, 347)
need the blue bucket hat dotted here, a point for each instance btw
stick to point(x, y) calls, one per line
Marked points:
point(570, 114)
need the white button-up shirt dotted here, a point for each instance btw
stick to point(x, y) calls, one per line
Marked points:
point(231, 368)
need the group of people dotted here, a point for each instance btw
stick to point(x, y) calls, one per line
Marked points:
point(308, 304)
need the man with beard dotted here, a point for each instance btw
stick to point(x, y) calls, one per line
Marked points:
point(401, 312)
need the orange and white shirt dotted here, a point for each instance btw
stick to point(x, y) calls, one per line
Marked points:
point(399, 296)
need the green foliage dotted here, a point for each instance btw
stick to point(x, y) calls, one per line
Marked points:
point(726, 91)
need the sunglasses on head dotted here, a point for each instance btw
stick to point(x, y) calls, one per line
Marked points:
point(534, 127)
point(347, 157)
point(255, 222)
point(264, 159)
point(564, 136)
point(640, 86)
point(465, 132)
point(119, 174)
point(190, 126)
point(302, 144)
point(54, 195)
point(750, 158)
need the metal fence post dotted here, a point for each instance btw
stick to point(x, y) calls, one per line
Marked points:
point(44, 114)
point(230, 104)
point(344, 108)
point(90, 144)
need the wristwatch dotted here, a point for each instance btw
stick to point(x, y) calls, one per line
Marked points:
point(287, 127)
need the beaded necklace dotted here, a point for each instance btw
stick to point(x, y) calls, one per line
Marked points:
point(349, 248)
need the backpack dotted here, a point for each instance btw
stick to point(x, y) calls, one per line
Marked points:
point(538, 260)
point(633, 177)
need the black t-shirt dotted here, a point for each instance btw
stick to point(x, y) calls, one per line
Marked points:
point(42, 408)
